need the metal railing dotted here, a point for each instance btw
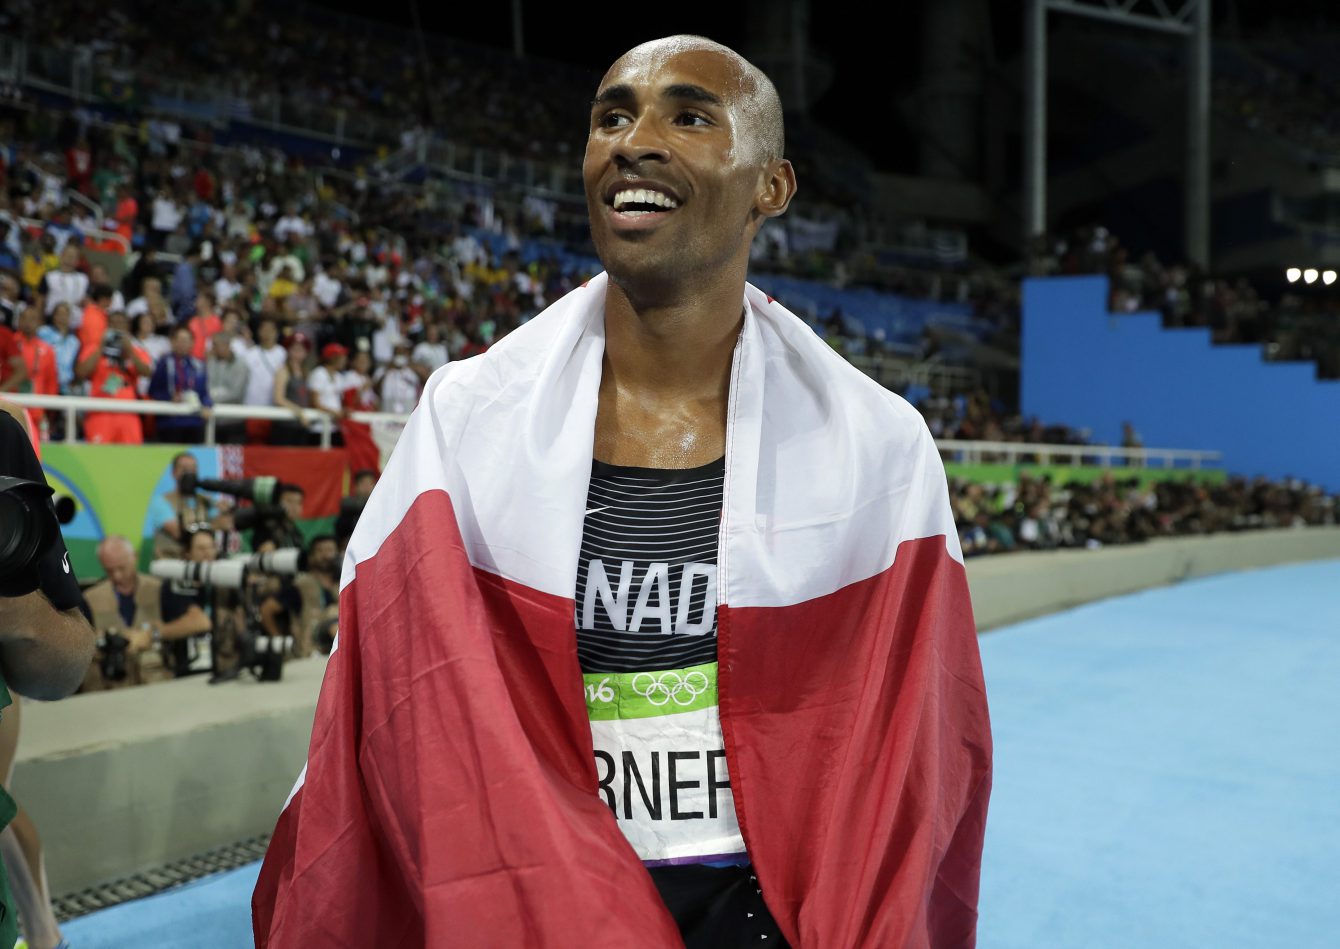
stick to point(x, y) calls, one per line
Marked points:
point(73, 405)
point(1013, 453)
point(972, 452)
point(89, 233)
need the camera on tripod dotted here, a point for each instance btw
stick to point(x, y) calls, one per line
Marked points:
point(260, 653)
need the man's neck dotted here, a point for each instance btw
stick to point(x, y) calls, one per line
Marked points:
point(675, 348)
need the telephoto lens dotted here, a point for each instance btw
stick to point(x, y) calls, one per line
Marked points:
point(27, 528)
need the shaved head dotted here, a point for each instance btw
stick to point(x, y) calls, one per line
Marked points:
point(115, 544)
point(757, 108)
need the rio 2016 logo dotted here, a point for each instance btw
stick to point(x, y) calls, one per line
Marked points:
point(658, 688)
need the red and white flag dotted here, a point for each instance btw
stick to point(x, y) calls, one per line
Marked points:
point(450, 794)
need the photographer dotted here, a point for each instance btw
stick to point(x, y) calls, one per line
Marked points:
point(198, 620)
point(125, 609)
point(46, 643)
point(279, 528)
point(313, 618)
point(175, 511)
point(352, 506)
point(112, 367)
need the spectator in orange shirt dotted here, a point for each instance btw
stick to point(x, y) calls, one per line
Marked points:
point(39, 359)
point(113, 366)
point(94, 324)
point(204, 324)
point(13, 375)
point(126, 214)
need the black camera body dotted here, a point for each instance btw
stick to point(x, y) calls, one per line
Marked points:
point(113, 347)
point(113, 662)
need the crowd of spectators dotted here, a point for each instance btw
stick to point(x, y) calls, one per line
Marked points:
point(1033, 513)
point(255, 283)
point(257, 280)
point(300, 64)
point(1299, 326)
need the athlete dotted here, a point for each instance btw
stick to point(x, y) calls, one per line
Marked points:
point(767, 724)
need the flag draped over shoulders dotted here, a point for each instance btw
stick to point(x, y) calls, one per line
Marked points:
point(450, 794)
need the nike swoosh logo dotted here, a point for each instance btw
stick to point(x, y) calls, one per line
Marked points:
point(596, 510)
point(65, 561)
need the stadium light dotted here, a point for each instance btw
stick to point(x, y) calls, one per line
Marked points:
point(1328, 277)
point(1310, 275)
point(1292, 274)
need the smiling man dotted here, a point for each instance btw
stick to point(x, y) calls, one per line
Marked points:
point(655, 630)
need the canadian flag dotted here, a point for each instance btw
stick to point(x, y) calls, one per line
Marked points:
point(450, 793)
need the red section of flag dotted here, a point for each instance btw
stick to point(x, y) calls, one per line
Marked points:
point(450, 794)
point(860, 755)
point(320, 472)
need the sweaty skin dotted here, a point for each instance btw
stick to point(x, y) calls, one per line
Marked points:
point(673, 308)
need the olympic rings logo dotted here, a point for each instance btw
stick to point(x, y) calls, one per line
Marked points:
point(664, 687)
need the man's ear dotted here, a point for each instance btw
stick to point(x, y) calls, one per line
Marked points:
point(779, 187)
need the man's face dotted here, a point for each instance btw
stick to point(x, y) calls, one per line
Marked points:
point(324, 554)
point(98, 274)
point(182, 341)
point(186, 464)
point(269, 334)
point(203, 548)
point(29, 320)
point(152, 287)
point(119, 565)
point(669, 123)
point(69, 258)
point(291, 502)
point(223, 346)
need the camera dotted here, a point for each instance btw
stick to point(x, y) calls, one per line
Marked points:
point(258, 652)
point(113, 347)
point(113, 662)
point(29, 525)
point(265, 518)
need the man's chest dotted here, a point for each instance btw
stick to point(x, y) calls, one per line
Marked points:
point(682, 434)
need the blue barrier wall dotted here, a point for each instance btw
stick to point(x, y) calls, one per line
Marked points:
point(1089, 368)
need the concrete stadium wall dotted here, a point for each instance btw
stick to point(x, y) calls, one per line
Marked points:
point(119, 782)
point(1019, 586)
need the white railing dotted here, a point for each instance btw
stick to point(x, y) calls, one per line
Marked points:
point(971, 452)
point(72, 405)
point(1013, 453)
point(89, 233)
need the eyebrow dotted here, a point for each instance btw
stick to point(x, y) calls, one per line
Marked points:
point(684, 91)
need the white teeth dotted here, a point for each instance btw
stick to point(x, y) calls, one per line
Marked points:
point(643, 196)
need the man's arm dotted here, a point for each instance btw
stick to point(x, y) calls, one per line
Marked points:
point(87, 362)
point(191, 623)
point(44, 652)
